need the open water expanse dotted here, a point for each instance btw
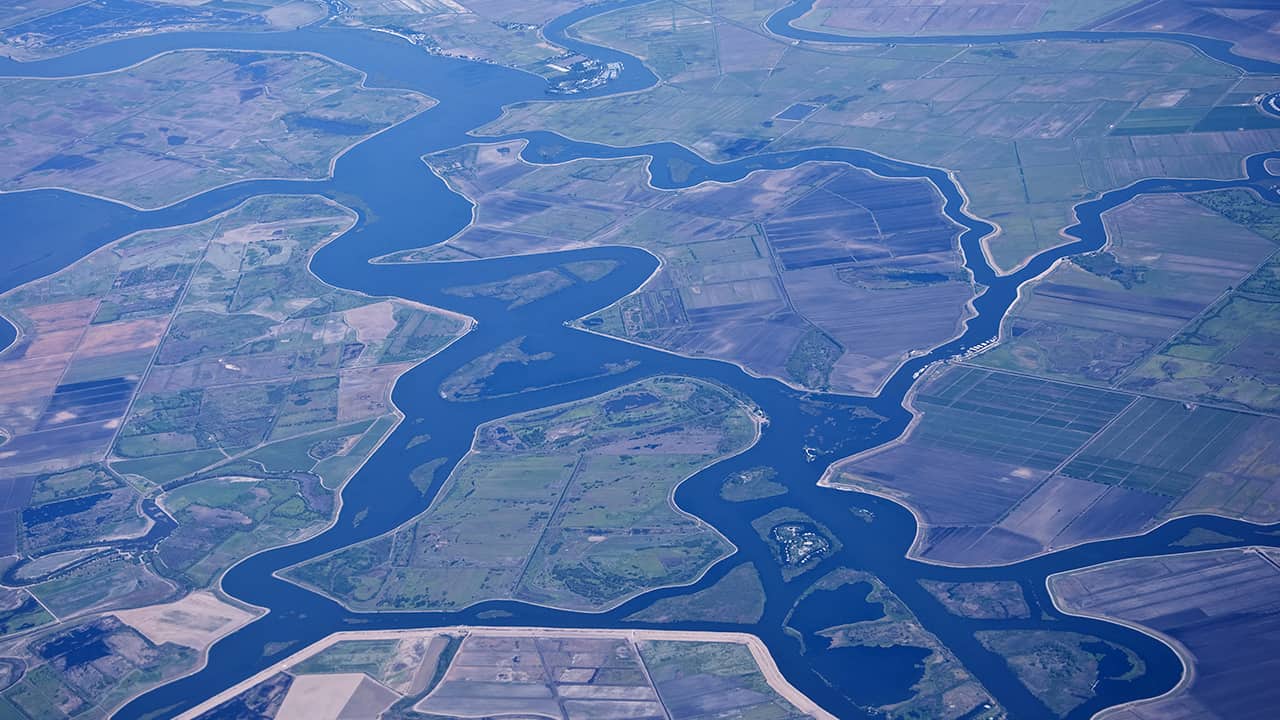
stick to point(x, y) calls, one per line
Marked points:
point(403, 205)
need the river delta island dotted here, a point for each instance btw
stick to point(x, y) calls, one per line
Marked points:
point(639, 359)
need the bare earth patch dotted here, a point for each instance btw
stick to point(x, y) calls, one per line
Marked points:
point(196, 621)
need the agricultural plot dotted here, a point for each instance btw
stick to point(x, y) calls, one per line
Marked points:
point(761, 272)
point(89, 666)
point(209, 368)
point(88, 669)
point(187, 121)
point(195, 621)
point(568, 506)
point(345, 678)
point(945, 688)
point(1251, 34)
point(1226, 355)
point(1029, 129)
point(717, 679)
point(605, 677)
point(477, 672)
point(1220, 607)
point(102, 581)
point(20, 611)
point(953, 17)
point(1001, 467)
point(1175, 332)
point(64, 26)
point(1098, 317)
point(245, 354)
point(984, 442)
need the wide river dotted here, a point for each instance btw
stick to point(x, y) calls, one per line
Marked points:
point(403, 205)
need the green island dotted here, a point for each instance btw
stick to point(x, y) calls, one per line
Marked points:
point(468, 381)
point(989, 600)
point(1060, 668)
point(738, 597)
point(755, 483)
point(797, 541)
point(568, 506)
point(187, 121)
point(1129, 387)
point(521, 290)
point(517, 291)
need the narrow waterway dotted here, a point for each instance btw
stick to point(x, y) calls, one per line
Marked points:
point(402, 205)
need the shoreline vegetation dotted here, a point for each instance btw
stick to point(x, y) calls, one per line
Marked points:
point(753, 643)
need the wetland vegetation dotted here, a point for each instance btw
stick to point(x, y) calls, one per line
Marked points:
point(188, 401)
point(568, 506)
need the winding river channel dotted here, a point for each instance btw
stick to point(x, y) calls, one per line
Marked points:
point(403, 205)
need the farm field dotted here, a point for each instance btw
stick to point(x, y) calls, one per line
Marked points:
point(1162, 310)
point(1144, 390)
point(32, 31)
point(478, 672)
point(103, 581)
point(1219, 606)
point(1225, 356)
point(1001, 467)
point(1029, 129)
point(1251, 34)
point(749, 268)
point(202, 367)
point(688, 240)
point(567, 506)
point(954, 17)
point(88, 669)
point(207, 353)
point(187, 121)
point(91, 666)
